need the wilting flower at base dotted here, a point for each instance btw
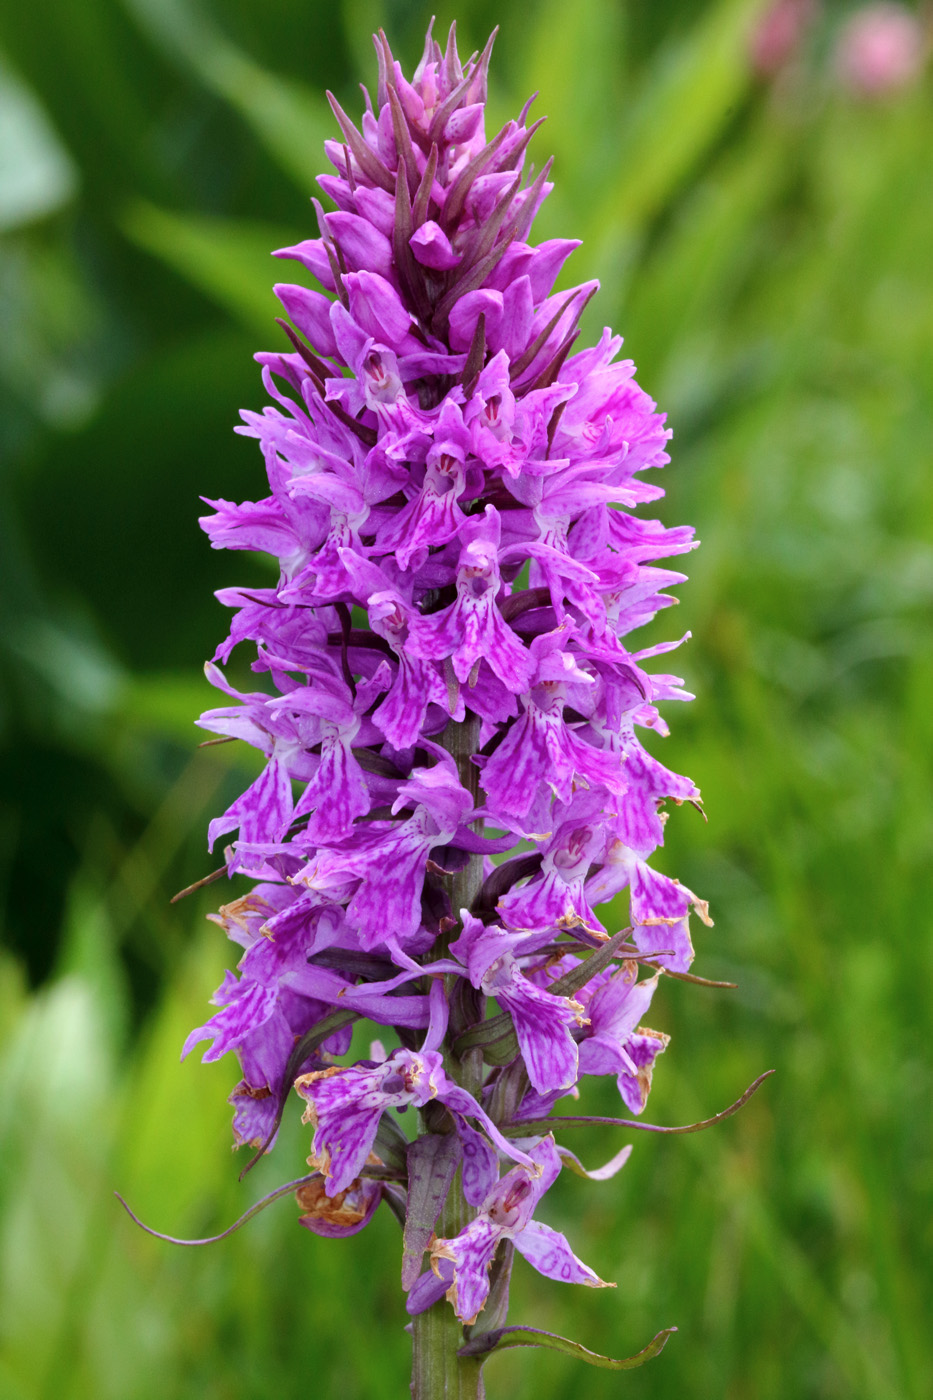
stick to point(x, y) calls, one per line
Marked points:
point(337, 1216)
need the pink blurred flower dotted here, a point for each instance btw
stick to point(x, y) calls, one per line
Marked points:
point(778, 35)
point(880, 50)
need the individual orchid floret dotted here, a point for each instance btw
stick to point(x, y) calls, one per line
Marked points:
point(542, 751)
point(615, 1043)
point(472, 630)
point(434, 516)
point(660, 906)
point(387, 862)
point(345, 1106)
point(542, 1020)
point(506, 1214)
point(337, 794)
point(555, 898)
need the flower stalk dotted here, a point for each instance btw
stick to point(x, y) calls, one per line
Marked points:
point(438, 1372)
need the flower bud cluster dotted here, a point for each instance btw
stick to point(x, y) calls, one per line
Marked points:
point(452, 498)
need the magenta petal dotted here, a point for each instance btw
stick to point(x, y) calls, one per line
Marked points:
point(337, 794)
point(550, 901)
point(471, 1254)
point(643, 1048)
point(401, 714)
point(517, 317)
point(432, 248)
point(466, 313)
point(309, 312)
point(376, 307)
point(430, 1287)
point(363, 246)
point(547, 1048)
point(263, 812)
point(254, 1114)
point(659, 912)
point(464, 123)
point(247, 1006)
point(533, 753)
point(344, 1139)
point(480, 1166)
point(669, 943)
point(551, 1255)
point(656, 898)
point(345, 1106)
point(312, 256)
point(546, 262)
point(390, 865)
point(486, 191)
point(542, 1025)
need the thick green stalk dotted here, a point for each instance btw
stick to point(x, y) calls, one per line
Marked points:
point(438, 1373)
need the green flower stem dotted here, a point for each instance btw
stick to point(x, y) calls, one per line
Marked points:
point(438, 1373)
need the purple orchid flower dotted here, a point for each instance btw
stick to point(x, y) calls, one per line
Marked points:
point(450, 702)
point(472, 629)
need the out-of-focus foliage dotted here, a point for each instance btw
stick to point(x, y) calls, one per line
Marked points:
point(764, 247)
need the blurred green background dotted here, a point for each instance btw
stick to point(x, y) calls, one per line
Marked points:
point(763, 235)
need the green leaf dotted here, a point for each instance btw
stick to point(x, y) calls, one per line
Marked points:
point(504, 1337)
point(496, 1037)
point(693, 88)
point(227, 260)
point(37, 175)
point(289, 119)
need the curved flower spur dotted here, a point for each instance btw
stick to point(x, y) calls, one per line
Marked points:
point(449, 714)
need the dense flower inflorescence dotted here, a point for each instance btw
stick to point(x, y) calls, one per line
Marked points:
point(449, 714)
